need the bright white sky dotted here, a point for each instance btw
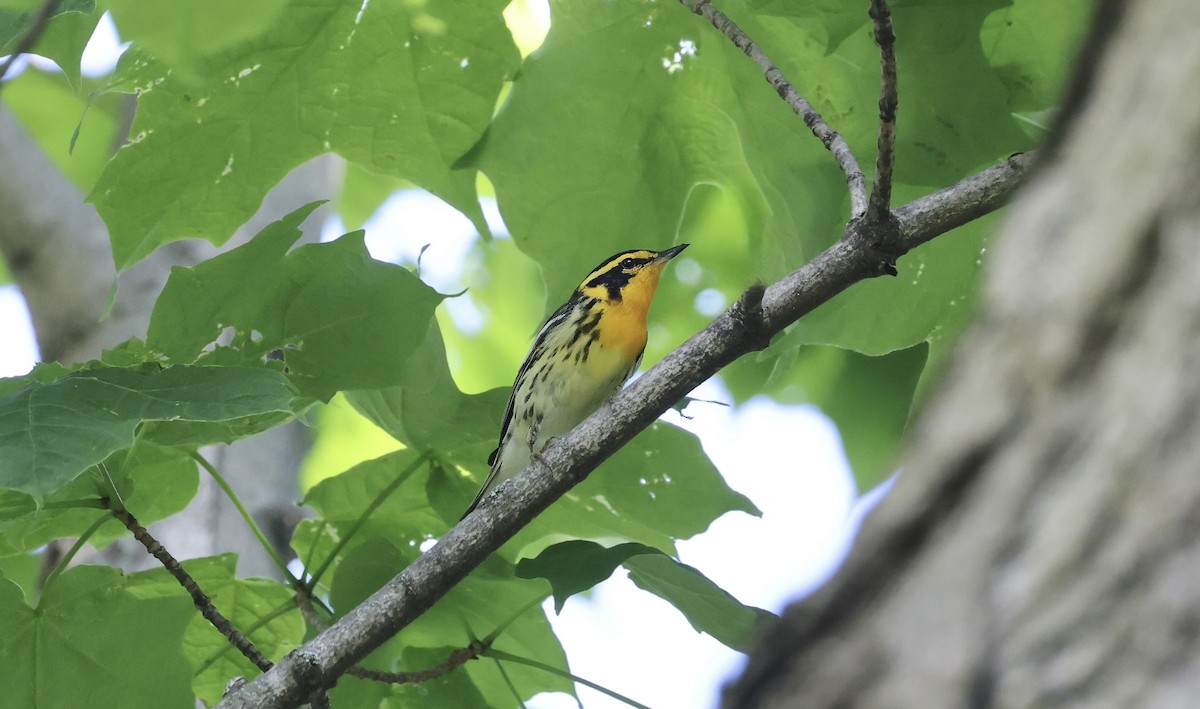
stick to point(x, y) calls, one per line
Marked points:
point(787, 460)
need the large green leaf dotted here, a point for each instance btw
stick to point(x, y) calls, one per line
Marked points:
point(52, 432)
point(154, 482)
point(1030, 43)
point(659, 488)
point(403, 89)
point(706, 606)
point(251, 605)
point(338, 318)
point(575, 566)
point(428, 411)
point(92, 643)
point(183, 34)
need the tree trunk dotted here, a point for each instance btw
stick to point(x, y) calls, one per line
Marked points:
point(1040, 548)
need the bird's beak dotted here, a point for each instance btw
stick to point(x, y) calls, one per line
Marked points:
point(669, 253)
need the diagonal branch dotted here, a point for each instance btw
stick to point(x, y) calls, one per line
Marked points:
point(745, 327)
point(881, 189)
point(831, 139)
point(201, 600)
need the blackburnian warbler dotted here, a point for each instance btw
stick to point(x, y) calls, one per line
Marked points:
point(583, 354)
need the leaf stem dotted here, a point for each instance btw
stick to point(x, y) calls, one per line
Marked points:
point(295, 583)
point(253, 525)
point(501, 655)
point(89, 503)
point(362, 519)
point(87, 534)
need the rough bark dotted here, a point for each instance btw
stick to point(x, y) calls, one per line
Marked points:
point(58, 252)
point(1039, 548)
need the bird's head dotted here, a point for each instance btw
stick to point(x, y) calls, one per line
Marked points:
point(630, 277)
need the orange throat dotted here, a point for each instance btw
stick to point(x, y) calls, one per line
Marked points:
point(624, 326)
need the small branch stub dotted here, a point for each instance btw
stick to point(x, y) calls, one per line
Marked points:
point(747, 312)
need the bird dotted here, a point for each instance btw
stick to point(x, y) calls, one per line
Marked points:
point(588, 349)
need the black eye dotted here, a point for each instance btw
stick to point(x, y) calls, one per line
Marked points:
point(628, 263)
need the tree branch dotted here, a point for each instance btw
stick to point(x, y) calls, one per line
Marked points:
point(36, 27)
point(831, 139)
point(203, 603)
point(745, 327)
point(881, 189)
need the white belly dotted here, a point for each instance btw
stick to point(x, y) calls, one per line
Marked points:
point(570, 393)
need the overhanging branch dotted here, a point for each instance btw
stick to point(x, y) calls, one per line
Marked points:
point(830, 138)
point(569, 459)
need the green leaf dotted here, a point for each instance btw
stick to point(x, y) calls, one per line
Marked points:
point(92, 643)
point(706, 606)
point(50, 433)
point(1034, 63)
point(363, 192)
point(835, 19)
point(154, 483)
point(403, 89)
point(247, 603)
point(25, 570)
point(486, 600)
point(341, 319)
point(62, 39)
point(869, 398)
point(184, 34)
point(404, 517)
point(937, 283)
point(575, 566)
point(51, 113)
point(870, 402)
point(455, 689)
point(428, 411)
point(659, 488)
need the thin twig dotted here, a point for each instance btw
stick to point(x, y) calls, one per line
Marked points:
point(831, 139)
point(203, 603)
point(881, 190)
point(457, 658)
point(453, 661)
point(501, 655)
point(362, 519)
point(222, 483)
point(277, 611)
point(40, 20)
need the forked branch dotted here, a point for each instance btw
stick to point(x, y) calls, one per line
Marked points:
point(831, 139)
